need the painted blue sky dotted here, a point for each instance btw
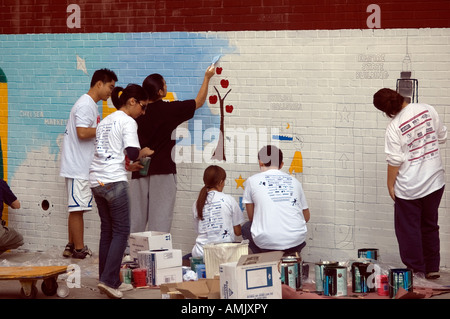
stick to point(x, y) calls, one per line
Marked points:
point(44, 82)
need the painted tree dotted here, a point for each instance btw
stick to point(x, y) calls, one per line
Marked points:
point(219, 153)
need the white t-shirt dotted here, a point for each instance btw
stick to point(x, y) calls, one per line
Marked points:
point(220, 213)
point(115, 133)
point(76, 154)
point(412, 142)
point(279, 201)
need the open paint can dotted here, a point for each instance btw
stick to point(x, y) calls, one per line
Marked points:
point(400, 278)
point(369, 253)
point(319, 276)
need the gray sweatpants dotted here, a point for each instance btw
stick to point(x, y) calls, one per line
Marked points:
point(152, 201)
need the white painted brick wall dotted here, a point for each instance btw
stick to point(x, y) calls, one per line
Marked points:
point(311, 80)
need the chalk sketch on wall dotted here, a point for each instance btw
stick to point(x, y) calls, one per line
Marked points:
point(406, 86)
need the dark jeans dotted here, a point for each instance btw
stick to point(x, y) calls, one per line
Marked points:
point(417, 231)
point(246, 234)
point(113, 208)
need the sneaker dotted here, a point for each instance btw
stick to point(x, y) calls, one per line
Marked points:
point(433, 275)
point(125, 287)
point(83, 253)
point(110, 292)
point(68, 250)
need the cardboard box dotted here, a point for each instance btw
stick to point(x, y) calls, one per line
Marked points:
point(254, 276)
point(219, 253)
point(165, 275)
point(150, 240)
point(163, 266)
point(207, 288)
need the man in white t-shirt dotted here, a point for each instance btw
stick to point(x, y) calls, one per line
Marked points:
point(76, 156)
point(276, 206)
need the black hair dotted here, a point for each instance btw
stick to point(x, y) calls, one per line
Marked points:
point(152, 84)
point(104, 75)
point(120, 96)
point(271, 155)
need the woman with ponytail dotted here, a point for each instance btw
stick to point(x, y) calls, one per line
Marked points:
point(217, 216)
point(116, 140)
point(415, 178)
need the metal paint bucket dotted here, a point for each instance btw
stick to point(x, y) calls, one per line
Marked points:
point(369, 253)
point(291, 271)
point(335, 281)
point(363, 277)
point(319, 276)
point(400, 278)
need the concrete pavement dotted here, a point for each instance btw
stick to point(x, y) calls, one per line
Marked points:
point(88, 278)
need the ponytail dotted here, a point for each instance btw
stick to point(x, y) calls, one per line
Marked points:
point(120, 96)
point(212, 177)
point(152, 84)
point(388, 101)
point(201, 201)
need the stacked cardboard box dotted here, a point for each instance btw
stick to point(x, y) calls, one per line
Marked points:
point(153, 252)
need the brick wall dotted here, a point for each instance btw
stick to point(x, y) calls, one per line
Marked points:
point(37, 16)
point(304, 84)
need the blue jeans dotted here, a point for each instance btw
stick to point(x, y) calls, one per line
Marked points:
point(114, 211)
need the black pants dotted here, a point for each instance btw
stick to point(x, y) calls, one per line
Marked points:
point(417, 231)
point(246, 234)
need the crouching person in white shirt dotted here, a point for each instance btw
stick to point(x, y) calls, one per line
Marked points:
point(276, 206)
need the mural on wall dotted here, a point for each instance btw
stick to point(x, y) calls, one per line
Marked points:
point(4, 134)
point(219, 153)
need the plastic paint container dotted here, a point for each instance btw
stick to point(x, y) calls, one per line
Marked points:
point(140, 277)
point(382, 285)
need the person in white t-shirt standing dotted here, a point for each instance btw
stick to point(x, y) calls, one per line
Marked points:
point(217, 216)
point(276, 206)
point(76, 156)
point(415, 178)
point(116, 144)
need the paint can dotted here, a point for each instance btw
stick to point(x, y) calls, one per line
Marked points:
point(400, 278)
point(291, 272)
point(363, 277)
point(335, 281)
point(319, 276)
point(368, 253)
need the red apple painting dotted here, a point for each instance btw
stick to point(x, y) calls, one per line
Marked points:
point(219, 153)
